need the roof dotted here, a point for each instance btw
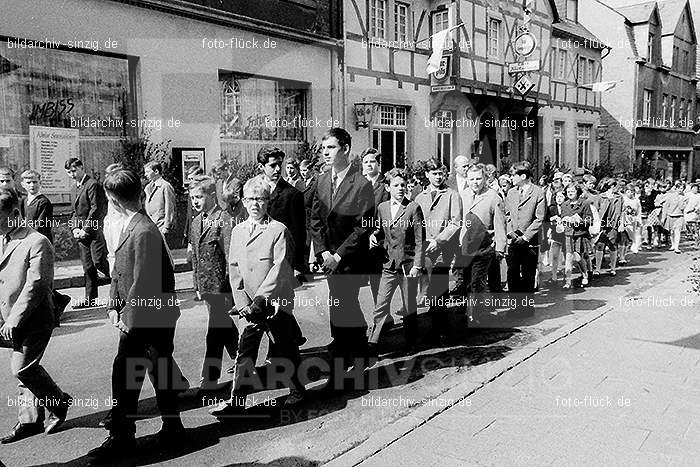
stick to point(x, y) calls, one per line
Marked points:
point(578, 30)
point(639, 13)
point(670, 12)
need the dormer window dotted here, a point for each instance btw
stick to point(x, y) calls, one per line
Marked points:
point(572, 10)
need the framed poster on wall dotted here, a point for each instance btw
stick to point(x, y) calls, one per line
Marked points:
point(189, 157)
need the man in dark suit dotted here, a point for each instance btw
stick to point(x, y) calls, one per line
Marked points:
point(90, 209)
point(307, 185)
point(370, 169)
point(144, 307)
point(341, 222)
point(286, 202)
point(458, 182)
point(37, 211)
point(27, 320)
point(525, 211)
point(211, 237)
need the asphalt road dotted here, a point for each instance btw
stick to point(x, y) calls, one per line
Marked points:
point(80, 354)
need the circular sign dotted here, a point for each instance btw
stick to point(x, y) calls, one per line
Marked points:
point(441, 73)
point(525, 44)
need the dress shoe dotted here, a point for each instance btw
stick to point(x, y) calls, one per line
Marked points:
point(229, 408)
point(106, 422)
point(113, 447)
point(58, 415)
point(171, 431)
point(21, 431)
point(61, 301)
point(295, 397)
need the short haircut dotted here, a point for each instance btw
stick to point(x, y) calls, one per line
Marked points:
point(478, 168)
point(154, 166)
point(232, 187)
point(489, 169)
point(630, 187)
point(589, 178)
point(195, 170)
point(340, 134)
point(204, 184)
point(73, 162)
point(6, 170)
point(434, 164)
point(577, 187)
point(31, 173)
point(504, 177)
point(395, 173)
point(8, 200)
point(305, 164)
point(608, 184)
point(522, 168)
point(124, 184)
point(112, 167)
point(293, 162)
point(256, 186)
point(267, 152)
point(370, 152)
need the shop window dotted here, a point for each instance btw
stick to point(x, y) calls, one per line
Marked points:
point(255, 108)
point(389, 136)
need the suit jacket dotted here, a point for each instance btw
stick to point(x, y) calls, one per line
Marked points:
point(343, 226)
point(403, 237)
point(443, 218)
point(308, 192)
point(238, 213)
point(609, 210)
point(260, 264)
point(160, 203)
point(287, 206)
point(38, 214)
point(26, 282)
point(211, 240)
point(90, 207)
point(380, 193)
point(143, 280)
point(451, 182)
point(488, 207)
point(525, 213)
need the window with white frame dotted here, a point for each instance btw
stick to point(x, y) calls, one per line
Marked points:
point(389, 136)
point(377, 18)
point(672, 122)
point(558, 135)
point(646, 108)
point(441, 21)
point(401, 22)
point(561, 66)
point(583, 145)
point(494, 38)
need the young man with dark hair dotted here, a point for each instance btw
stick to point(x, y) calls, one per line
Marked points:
point(341, 216)
point(442, 210)
point(525, 213)
point(27, 319)
point(144, 307)
point(90, 209)
point(161, 203)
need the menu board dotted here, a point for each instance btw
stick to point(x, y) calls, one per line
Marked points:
point(49, 149)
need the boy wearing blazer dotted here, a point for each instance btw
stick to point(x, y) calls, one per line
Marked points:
point(401, 232)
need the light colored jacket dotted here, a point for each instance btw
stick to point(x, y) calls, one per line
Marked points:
point(160, 203)
point(26, 281)
point(488, 207)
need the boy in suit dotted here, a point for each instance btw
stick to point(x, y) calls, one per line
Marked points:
point(525, 212)
point(27, 320)
point(90, 209)
point(211, 238)
point(370, 169)
point(37, 211)
point(402, 234)
point(442, 208)
point(262, 280)
point(144, 307)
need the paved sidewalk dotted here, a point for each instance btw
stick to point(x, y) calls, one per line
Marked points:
point(622, 390)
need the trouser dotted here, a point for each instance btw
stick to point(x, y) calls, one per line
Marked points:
point(348, 325)
point(140, 351)
point(37, 391)
point(221, 334)
point(437, 295)
point(522, 267)
point(280, 327)
point(494, 275)
point(376, 258)
point(390, 280)
point(476, 276)
point(458, 271)
point(93, 256)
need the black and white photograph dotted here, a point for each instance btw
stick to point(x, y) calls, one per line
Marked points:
point(349, 232)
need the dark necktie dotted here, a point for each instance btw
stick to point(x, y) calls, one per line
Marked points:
point(334, 185)
point(433, 195)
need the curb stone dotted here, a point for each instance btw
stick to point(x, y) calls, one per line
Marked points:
point(423, 414)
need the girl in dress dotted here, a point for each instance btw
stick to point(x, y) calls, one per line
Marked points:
point(556, 233)
point(631, 211)
point(577, 217)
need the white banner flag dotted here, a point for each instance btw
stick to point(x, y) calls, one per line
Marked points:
point(438, 46)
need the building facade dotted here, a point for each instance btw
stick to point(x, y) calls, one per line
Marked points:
point(213, 78)
point(471, 106)
point(648, 116)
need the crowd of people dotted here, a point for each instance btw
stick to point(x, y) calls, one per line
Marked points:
point(252, 243)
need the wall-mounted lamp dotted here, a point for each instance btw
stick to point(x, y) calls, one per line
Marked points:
point(363, 114)
point(505, 148)
point(602, 132)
